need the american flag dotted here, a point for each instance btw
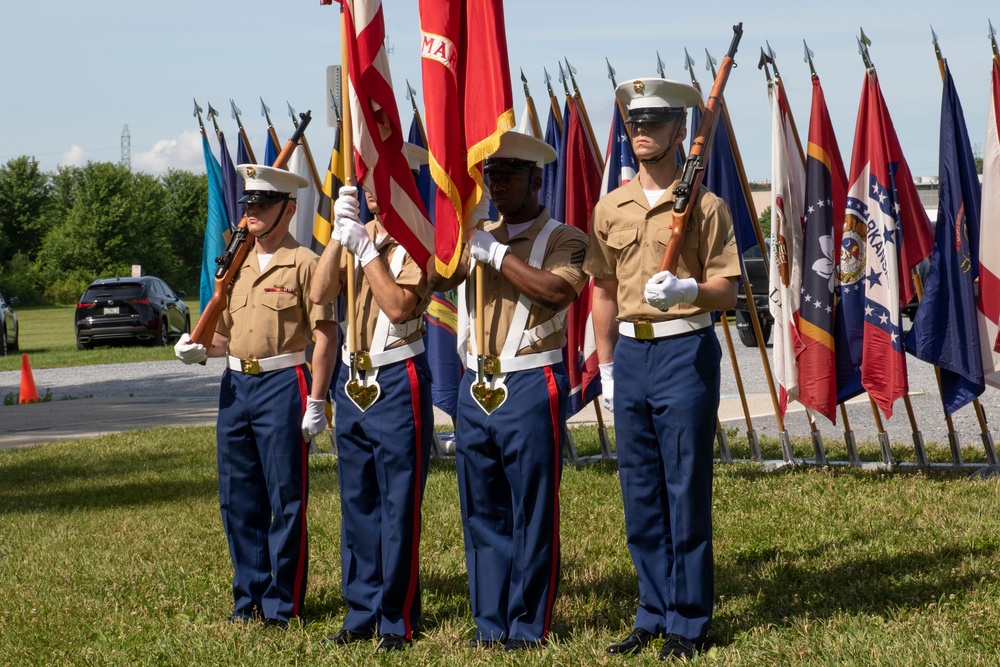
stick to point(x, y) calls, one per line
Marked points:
point(382, 168)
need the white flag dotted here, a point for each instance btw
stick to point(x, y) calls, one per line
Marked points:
point(301, 226)
point(989, 241)
point(787, 197)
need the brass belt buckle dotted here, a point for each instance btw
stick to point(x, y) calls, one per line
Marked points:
point(362, 361)
point(250, 365)
point(491, 365)
point(643, 329)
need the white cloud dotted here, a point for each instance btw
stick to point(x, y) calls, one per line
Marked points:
point(74, 157)
point(183, 152)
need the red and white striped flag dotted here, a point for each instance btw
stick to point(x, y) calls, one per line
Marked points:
point(988, 302)
point(382, 168)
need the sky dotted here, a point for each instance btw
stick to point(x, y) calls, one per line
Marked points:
point(74, 74)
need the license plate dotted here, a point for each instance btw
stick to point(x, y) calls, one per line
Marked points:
point(111, 311)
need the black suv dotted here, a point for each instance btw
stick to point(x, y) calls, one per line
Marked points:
point(8, 325)
point(143, 309)
point(755, 263)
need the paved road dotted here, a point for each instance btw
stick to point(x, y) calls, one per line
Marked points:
point(90, 400)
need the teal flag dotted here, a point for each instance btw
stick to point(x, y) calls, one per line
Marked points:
point(216, 225)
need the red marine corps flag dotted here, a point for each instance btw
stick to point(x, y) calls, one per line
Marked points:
point(468, 104)
point(382, 168)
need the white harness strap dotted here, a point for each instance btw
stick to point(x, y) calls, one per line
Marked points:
point(517, 336)
point(386, 332)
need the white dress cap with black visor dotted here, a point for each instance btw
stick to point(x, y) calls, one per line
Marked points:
point(518, 152)
point(268, 185)
point(656, 100)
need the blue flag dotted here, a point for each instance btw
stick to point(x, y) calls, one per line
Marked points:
point(216, 225)
point(230, 181)
point(550, 171)
point(945, 331)
point(722, 177)
point(271, 150)
point(556, 197)
point(242, 157)
point(441, 318)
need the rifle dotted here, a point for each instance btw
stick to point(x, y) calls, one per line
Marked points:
point(693, 172)
point(236, 252)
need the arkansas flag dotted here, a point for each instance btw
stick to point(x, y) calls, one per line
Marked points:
point(886, 233)
point(988, 303)
point(468, 104)
point(826, 185)
point(787, 195)
point(382, 168)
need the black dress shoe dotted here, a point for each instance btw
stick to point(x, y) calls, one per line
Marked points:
point(512, 645)
point(485, 643)
point(391, 642)
point(677, 648)
point(275, 623)
point(347, 637)
point(635, 642)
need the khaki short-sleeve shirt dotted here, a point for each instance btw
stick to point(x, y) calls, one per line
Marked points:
point(628, 237)
point(269, 312)
point(367, 310)
point(564, 253)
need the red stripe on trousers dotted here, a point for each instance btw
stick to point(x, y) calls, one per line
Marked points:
point(300, 568)
point(411, 591)
point(550, 382)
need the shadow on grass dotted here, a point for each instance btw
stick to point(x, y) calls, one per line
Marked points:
point(51, 479)
point(783, 586)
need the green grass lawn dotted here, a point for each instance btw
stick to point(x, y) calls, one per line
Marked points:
point(112, 553)
point(47, 335)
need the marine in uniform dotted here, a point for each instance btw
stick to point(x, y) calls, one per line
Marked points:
point(269, 406)
point(659, 359)
point(383, 447)
point(510, 425)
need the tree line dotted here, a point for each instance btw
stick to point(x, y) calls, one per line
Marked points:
point(61, 230)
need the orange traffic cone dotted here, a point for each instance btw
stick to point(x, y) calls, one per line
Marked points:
point(28, 392)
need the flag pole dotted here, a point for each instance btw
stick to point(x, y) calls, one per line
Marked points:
point(553, 102)
point(411, 95)
point(781, 87)
point(243, 133)
point(265, 111)
point(347, 143)
point(755, 453)
point(197, 114)
point(536, 127)
point(305, 147)
point(584, 116)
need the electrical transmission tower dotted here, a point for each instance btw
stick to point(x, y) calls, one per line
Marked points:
point(126, 160)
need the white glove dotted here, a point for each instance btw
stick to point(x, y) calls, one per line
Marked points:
point(665, 290)
point(355, 238)
point(345, 208)
point(484, 248)
point(482, 210)
point(607, 386)
point(189, 351)
point(314, 420)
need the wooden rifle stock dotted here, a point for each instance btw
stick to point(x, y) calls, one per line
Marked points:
point(236, 252)
point(693, 172)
